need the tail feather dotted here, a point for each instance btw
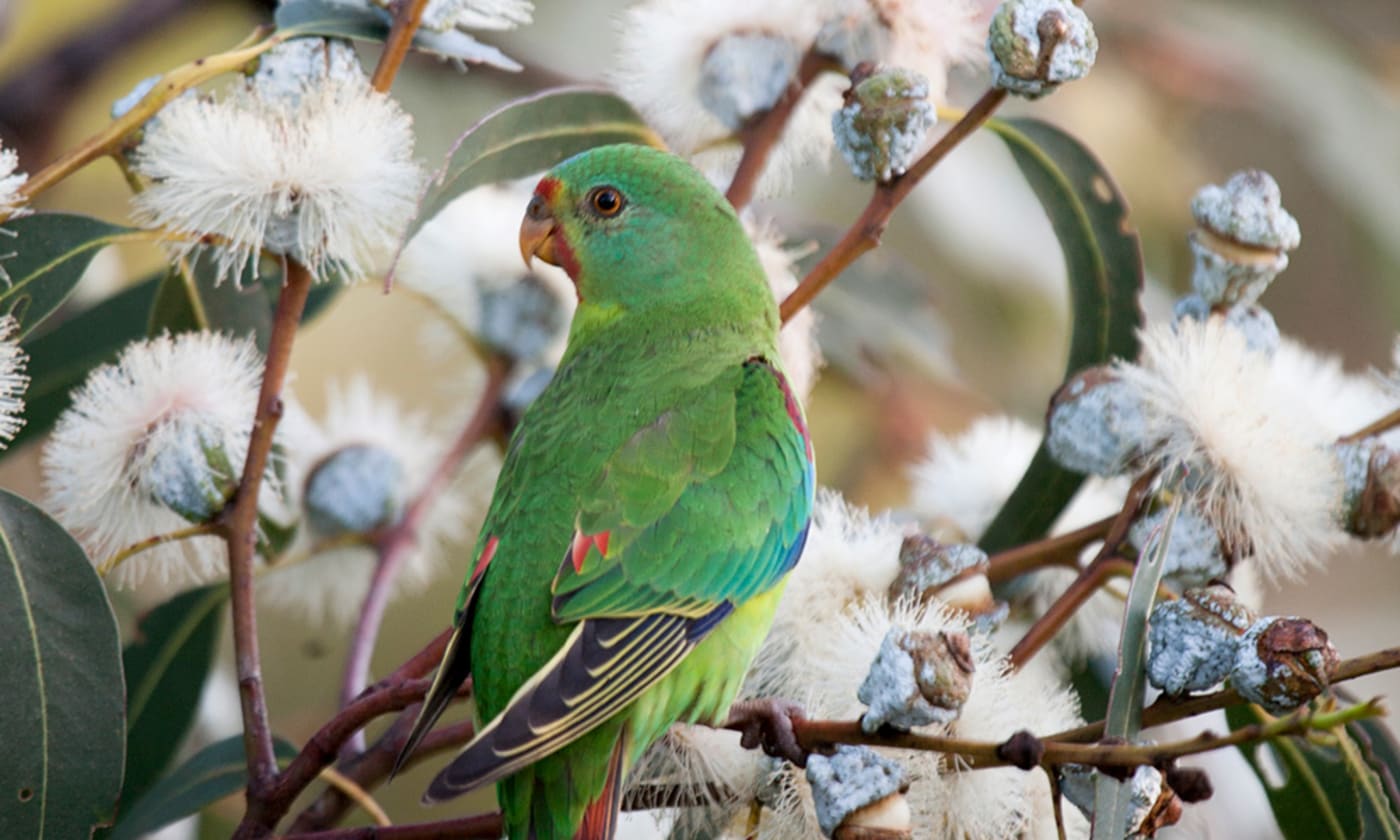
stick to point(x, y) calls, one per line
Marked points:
point(600, 818)
point(454, 670)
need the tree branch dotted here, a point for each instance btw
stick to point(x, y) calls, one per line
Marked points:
point(407, 15)
point(482, 827)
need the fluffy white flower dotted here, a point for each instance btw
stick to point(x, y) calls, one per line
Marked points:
point(1318, 387)
point(327, 178)
point(797, 343)
point(11, 202)
point(13, 380)
point(166, 424)
point(662, 51)
point(477, 14)
point(330, 584)
point(927, 36)
point(1260, 469)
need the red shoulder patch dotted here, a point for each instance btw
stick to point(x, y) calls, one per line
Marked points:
point(578, 550)
point(486, 554)
point(794, 408)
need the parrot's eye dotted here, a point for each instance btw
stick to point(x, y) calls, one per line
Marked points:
point(605, 201)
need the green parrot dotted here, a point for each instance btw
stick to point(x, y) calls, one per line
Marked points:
point(651, 502)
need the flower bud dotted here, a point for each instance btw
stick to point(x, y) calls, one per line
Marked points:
point(1154, 805)
point(1191, 641)
point(1283, 662)
point(917, 678)
point(1095, 423)
point(1371, 493)
point(883, 121)
point(955, 575)
point(745, 74)
point(520, 320)
point(1194, 552)
point(1252, 321)
point(1037, 45)
point(354, 490)
point(191, 473)
point(858, 794)
point(287, 71)
point(1243, 238)
point(523, 388)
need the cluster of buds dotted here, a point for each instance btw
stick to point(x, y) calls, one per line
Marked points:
point(1371, 487)
point(955, 575)
point(1155, 803)
point(1037, 45)
point(1241, 243)
point(858, 794)
point(883, 121)
point(354, 490)
point(916, 679)
point(1196, 642)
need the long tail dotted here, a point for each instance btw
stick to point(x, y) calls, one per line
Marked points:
point(600, 819)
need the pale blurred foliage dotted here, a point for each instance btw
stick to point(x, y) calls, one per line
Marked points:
point(1184, 93)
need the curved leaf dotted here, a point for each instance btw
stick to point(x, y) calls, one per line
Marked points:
point(51, 251)
point(165, 671)
point(62, 696)
point(329, 19)
point(1103, 260)
point(216, 771)
point(528, 136)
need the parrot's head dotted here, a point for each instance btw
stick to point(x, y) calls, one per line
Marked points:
point(635, 227)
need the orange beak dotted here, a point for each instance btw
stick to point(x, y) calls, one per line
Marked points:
point(537, 232)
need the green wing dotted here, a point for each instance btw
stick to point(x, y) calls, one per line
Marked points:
point(694, 514)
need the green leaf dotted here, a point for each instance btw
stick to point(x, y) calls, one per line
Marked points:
point(61, 699)
point(1317, 798)
point(165, 671)
point(61, 357)
point(216, 771)
point(1113, 800)
point(530, 135)
point(51, 252)
point(1103, 260)
point(196, 299)
point(326, 19)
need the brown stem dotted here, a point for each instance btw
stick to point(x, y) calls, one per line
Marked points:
point(1052, 551)
point(764, 132)
point(240, 522)
point(1105, 564)
point(865, 233)
point(1384, 424)
point(1169, 710)
point(397, 543)
point(407, 15)
point(482, 826)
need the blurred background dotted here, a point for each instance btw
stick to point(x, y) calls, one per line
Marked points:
point(963, 312)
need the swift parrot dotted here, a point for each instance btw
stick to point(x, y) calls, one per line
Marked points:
point(651, 502)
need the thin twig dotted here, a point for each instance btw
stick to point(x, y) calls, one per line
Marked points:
point(350, 788)
point(201, 529)
point(397, 542)
point(1062, 550)
point(865, 233)
point(1383, 424)
point(764, 132)
point(407, 15)
point(240, 521)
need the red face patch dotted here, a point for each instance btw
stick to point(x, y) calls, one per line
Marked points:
point(547, 188)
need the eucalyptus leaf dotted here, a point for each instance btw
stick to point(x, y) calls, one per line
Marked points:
point(194, 297)
point(528, 136)
point(165, 670)
point(1113, 800)
point(61, 701)
point(216, 771)
point(1103, 260)
point(51, 251)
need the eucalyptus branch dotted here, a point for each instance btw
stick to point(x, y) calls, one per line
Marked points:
point(1105, 565)
point(397, 542)
point(407, 15)
point(239, 521)
point(864, 234)
point(201, 529)
point(766, 129)
point(1379, 426)
point(1026, 751)
point(110, 139)
point(1169, 709)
